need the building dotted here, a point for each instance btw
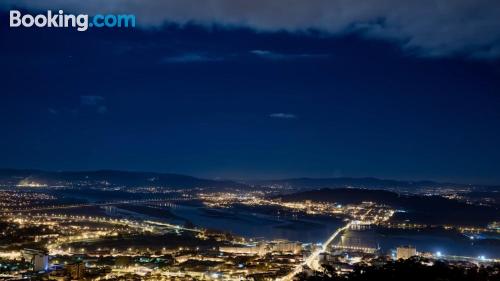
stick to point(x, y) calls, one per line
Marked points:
point(494, 225)
point(76, 270)
point(58, 274)
point(122, 261)
point(287, 247)
point(259, 249)
point(40, 262)
point(39, 259)
point(405, 252)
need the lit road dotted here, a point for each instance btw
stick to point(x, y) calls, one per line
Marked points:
point(60, 207)
point(153, 226)
point(174, 226)
point(470, 259)
point(312, 260)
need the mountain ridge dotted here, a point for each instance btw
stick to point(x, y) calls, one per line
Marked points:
point(111, 177)
point(134, 178)
point(362, 182)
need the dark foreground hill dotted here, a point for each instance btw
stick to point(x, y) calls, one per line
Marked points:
point(409, 270)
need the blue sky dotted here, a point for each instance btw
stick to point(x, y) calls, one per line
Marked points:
point(251, 101)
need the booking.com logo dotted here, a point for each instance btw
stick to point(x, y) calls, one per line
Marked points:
point(81, 22)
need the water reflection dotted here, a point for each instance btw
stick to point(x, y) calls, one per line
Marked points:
point(433, 241)
point(259, 225)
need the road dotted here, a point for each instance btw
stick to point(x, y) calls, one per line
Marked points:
point(312, 260)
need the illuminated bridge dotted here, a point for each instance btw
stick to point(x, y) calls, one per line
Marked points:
point(368, 250)
point(312, 260)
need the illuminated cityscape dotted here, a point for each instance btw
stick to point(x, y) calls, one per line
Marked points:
point(155, 236)
point(250, 140)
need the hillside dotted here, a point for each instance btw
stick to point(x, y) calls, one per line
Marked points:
point(422, 209)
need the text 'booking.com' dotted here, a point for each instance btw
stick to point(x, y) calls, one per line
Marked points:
point(82, 22)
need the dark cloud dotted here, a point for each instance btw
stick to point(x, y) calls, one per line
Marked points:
point(281, 56)
point(190, 58)
point(102, 109)
point(95, 103)
point(282, 115)
point(426, 27)
point(91, 100)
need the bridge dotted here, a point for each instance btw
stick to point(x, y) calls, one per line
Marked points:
point(369, 250)
point(73, 206)
point(312, 260)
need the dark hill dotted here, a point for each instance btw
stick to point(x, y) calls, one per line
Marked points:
point(422, 209)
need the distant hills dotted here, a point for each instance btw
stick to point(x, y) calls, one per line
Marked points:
point(366, 182)
point(128, 178)
point(428, 209)
point(347, 196)
point(108, 177)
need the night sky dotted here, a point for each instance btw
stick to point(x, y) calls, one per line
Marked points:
point(245, 101)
